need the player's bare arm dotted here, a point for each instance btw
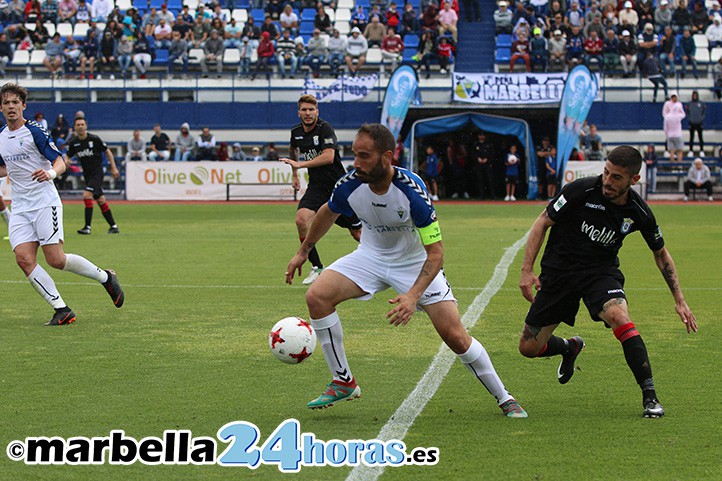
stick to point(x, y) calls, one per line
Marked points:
point(295, 180)
point(111, 160)
point(666, 266)
point(406, 302)
point(57, 169)
point(322, 222)
point(528, 279)
point(3, 171)
point(325, 158)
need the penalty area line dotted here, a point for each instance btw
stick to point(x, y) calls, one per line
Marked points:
point(401, 421)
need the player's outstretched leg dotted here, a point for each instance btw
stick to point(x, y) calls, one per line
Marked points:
point(83, 267)
point(343, 387)
point(530, 345)
point(45, 286)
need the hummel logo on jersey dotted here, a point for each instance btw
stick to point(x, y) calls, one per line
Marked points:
point(602, 236)
point(378, 205)
point(595, 206)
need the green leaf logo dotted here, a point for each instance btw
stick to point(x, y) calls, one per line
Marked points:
point(199, 176)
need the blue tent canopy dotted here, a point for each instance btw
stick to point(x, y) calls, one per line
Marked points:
point(490, 123)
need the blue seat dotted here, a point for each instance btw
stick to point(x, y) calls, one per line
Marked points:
point(175, 5)
point(161, 57)
point(140, 5)
point(308, 14)
point(156, 4)
point(411, 41)
point(503, 55)
point(246, 4)
point(407, 54)
point(503, 40)
point(366, 4)
point(306, 28)
point(258, 15)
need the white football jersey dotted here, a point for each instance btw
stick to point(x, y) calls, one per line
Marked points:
point(390, 220)
point(22, 152)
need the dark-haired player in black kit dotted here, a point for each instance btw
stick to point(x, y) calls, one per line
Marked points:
point(89, 149)
point(313, 147)
point(589, 219)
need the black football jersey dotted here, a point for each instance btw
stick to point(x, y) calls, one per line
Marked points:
point(589, 229)
point(310, 145)
point(89, 152)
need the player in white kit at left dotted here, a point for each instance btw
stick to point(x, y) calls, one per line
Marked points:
point(31, 161)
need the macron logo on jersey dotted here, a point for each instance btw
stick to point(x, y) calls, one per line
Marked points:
point(602, 236)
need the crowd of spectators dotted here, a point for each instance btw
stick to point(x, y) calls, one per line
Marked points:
point(111, 42)
point(611, 35)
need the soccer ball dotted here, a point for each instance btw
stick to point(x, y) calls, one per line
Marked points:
point(513, 159)
point(292, 340)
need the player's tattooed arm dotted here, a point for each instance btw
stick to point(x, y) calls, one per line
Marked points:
point(666, 266)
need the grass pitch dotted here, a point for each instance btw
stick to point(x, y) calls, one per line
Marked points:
point(204, 284)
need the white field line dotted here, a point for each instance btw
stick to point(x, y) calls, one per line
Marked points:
point(399, 423)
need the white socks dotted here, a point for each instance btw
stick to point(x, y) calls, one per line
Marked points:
point(477, 361)
point(330, 335)
point(43, 283)
point(83, 267)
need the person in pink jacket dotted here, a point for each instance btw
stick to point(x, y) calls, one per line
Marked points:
point(673, 113)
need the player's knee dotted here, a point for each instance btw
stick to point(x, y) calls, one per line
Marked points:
point(25, 262)
point(528, 349)
point(316, 300)
point(56, 262)
point(458, 341)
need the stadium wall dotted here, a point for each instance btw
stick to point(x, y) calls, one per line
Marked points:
point(347, 115)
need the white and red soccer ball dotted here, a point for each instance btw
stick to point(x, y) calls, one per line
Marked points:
point(292, 340)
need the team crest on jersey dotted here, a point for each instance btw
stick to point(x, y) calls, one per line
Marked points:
point(560, 203)
point(400, 212)
point(90, 144)
point(315, 140)
point(21, 142)
point(626, 225)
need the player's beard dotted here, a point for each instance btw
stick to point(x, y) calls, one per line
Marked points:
point(616, 194)
point(376, 173)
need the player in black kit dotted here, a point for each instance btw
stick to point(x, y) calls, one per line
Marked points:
point(89, 149)
point(313, 147)
point(589, 219)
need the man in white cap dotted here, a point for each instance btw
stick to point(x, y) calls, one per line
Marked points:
point(628, 17)
point(628, 54)
point(557, 51)
point(356, 48)
point(698, 177)
point(673, 113)
point(662, 16)
point(503, 18)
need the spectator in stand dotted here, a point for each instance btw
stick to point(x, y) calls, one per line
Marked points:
point(125, 54)
point(213, 53)
point(609, 18)
point(393, 17)
point(594, 26)
point(135, 148)
point(575, 48)
point(356, 48)
point(699, 18)
point(426, 51)
point(610, 50)
point(520, 50)
point(574, 16)
point(40, 119)
point(336, 51)
point(376, 12)
point(698, 177)
point(645, 11)
point(647, 41)
point(512, 173)
point(16, 11)
point(696, 110)
point(662, 16)
point(201, 31)
point(178, 51)
point(557, 51)
point(359, 19)
point(715, 10)
point(108, 54)
point(6, 53)
point(593, 49)
point(322, 21)
point(522, 26)
point(159, 145)
point(186, 16)
point(652, 70)
point(585, 140)
point(431, 167)
point(688, 50)
point(32, 12)
point(49, 11)
point(673, 113)
point(101, 10)
point(237, 153)
point(409, 21)
point(375, 32)
point(274, 8)
point(717, 79)
point(550, 167)
point(67, 10)
point(714, 33)
point(72, 51)
point(166, 14)
point(161, 34)
point(444, 49)
point(219, 14)
point(286, 53)
point(128, 29)
point(150, 21)
point(142, 54)
point(60, 128)
point(628, 18)
point(317, 52)
point(244, 66)
point(256, 155)
point(206, 145)
point(650, 159)
point(472, 6)
point(539, 50)
point(448, 20)
point(265, 51)
point(289, 20)
point(668, 51)
point(681, 17)
point(628, 54)
point(206, 15)
point(430, 19)
point(270, 27)
point(594, 153)
point(83, 14)
point(184, 144)
point(271, 152)
point(90, 50)
point(232, 35)
point(391, 49)
point(518, 12)
point(222, 152)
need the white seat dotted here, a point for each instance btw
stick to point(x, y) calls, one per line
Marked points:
point(192, 4)
point(81, 30)
point(342, 15)
point(241, 15)
point(37, 58)
point(21, 58)
point(30, 27)
point(232, 56)
point(700, 41)
point(64, 29)
point(343, 28)
point(702, 55)
point(124, 4)
point(195, 55)
point(50, 27)
point(345, 4)
point(331, 14)
point(715, 55)
point(373, 55)
point(227, 13)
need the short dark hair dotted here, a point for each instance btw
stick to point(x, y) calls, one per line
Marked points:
point(13, 88)
point(307, 99)
point(627, 157)
point(382, 136)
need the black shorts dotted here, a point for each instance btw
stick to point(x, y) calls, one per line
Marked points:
point(511, 179)
point(94, 184)
point(558, 299)
point(316, 196)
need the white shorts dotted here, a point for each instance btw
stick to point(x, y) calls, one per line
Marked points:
point(43, 225)
point(373, 276)
point(675, 143)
